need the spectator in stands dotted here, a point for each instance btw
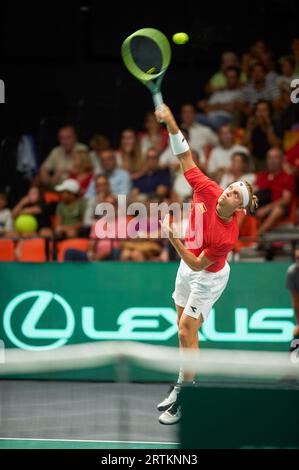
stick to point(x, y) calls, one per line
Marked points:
point(200, 137)
point(5, 216)
point(141, 250)
point(284, 81)
point(292, 283)
point(70, 210)
point(119, 179)
point(145, 248)
point(259, 89)
point(223, 105)
point(254, 55)
point(154, 181)
point(290, 113)
point(275, 190)
point(34, 204)
point(219, 80)
point(238, 170)
point(220, 157)
point(129, 156)
point(104, 248)
point(98, 143)
point(154, 135)
point(57, 166)
point(262, 132)
point(82, 170)
point(268, 61)
point(103, 190)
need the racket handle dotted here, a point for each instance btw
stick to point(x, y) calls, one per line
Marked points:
point(158, 100)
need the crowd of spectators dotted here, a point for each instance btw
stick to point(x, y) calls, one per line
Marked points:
point(245, 127)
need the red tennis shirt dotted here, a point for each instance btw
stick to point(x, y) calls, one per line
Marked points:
point(206, 231)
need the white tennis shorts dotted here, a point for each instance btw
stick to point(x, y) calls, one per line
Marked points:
point(197, 291)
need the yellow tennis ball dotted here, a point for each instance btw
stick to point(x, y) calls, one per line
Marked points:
point(180, 38)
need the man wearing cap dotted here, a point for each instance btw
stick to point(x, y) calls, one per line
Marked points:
point(70, 210)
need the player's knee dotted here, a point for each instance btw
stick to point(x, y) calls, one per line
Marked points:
point(184, 334)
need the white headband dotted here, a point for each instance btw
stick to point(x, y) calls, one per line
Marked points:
point(245, 192)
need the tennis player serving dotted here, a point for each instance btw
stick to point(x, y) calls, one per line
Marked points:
point(203, 272)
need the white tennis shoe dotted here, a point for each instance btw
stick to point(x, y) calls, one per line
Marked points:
point(172, 415)
point(169, 400)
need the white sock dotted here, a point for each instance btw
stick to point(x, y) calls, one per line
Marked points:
point(180, 379)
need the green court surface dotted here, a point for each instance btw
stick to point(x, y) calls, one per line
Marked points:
point(82, 444)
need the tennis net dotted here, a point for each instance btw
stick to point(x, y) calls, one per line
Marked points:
point(35, 405)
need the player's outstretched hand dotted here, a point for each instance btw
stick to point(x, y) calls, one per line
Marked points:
point(163, 114)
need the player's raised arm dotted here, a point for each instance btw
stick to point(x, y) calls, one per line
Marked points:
point(178, 142)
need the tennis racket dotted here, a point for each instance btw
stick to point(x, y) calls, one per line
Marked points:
point(146, 54)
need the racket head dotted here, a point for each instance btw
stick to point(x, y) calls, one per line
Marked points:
point(146, 54)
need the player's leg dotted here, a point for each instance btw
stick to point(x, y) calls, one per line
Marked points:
point(180, 296)
point(188, 337)
point(206, 288)
point(180, 311)
point(173, 389)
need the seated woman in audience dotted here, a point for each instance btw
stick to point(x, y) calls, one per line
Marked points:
point(82, 170)
point(154, 135)
point(129, 155)
point(34, 204)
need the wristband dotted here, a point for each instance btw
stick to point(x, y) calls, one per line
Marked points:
point(178, 143)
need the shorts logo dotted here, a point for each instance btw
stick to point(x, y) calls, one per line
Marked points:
point(193, 308)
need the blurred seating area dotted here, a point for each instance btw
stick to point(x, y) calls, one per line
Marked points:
point(246, 127)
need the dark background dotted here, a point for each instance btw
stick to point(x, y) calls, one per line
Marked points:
point(60, 61)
